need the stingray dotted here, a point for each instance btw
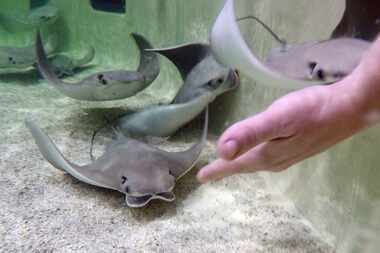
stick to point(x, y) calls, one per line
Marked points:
point(65, 65)
point(163, 120)
point(292, 66)
point(20, 58)
point(106, 85)
point(327, 61)
point(140, 171)
point(32, 19)
point(204, 79)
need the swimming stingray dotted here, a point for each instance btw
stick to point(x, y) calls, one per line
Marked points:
point(106, 85)
point(138, 170)
point(65, 65)
point(327, 61)
point(204, 80)
point(20, 58)
point(35, 18)
point(294, 66)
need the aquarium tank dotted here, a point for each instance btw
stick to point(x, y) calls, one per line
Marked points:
point(109, 108)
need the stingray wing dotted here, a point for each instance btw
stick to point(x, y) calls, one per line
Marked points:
point(85, 59)
point(186, 160)
point(51, 153)
point(149, 65)
point(185, 57)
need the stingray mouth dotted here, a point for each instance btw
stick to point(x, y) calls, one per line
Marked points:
point(234, 77)
point(141, 201)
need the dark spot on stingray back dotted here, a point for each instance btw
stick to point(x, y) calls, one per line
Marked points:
point(312, 66)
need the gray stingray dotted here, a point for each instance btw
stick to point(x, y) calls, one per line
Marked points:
point(204, 80)
point(360, 20)
point(35, 18)
point(163, 120)
point(107, 85)
point(327, 61)
point(20, 58)
point(138, 170)
point(67, 66)
point(230, 48)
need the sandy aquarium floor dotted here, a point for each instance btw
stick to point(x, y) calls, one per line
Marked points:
point(44, 210)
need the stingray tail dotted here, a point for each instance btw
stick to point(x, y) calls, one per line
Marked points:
point(51, 153)
point(149, 64)
point(46, 69)
point(270, 30)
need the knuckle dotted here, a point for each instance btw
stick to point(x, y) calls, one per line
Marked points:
point(265, 158)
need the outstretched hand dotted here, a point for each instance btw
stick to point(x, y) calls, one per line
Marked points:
point(299, 125)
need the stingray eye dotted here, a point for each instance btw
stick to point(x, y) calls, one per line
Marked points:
point(123, 180)
point(171, 173)
point(321, 74)
point(102, 80)
point(215, 83)
point(10, 59)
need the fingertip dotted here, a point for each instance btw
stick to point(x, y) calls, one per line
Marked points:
point(217, 170)
point(209, 172)
point(201, 178)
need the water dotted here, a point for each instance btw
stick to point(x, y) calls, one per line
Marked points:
point(335, 194)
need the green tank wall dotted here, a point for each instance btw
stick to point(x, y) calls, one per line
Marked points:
point(337, 190)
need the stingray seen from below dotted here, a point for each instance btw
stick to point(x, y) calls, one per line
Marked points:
point(106, 85)
point(290, 66)
point(136, 169)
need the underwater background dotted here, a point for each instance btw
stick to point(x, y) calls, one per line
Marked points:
point(329, 203)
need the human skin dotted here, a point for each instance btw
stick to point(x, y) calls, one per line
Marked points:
point(301, 124)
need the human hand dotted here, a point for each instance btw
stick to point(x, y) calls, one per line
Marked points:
point(301, 124)
point(292, 129)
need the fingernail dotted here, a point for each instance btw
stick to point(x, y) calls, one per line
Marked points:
point(229, 150)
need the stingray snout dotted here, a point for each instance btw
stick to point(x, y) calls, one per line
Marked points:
point(234, 77)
